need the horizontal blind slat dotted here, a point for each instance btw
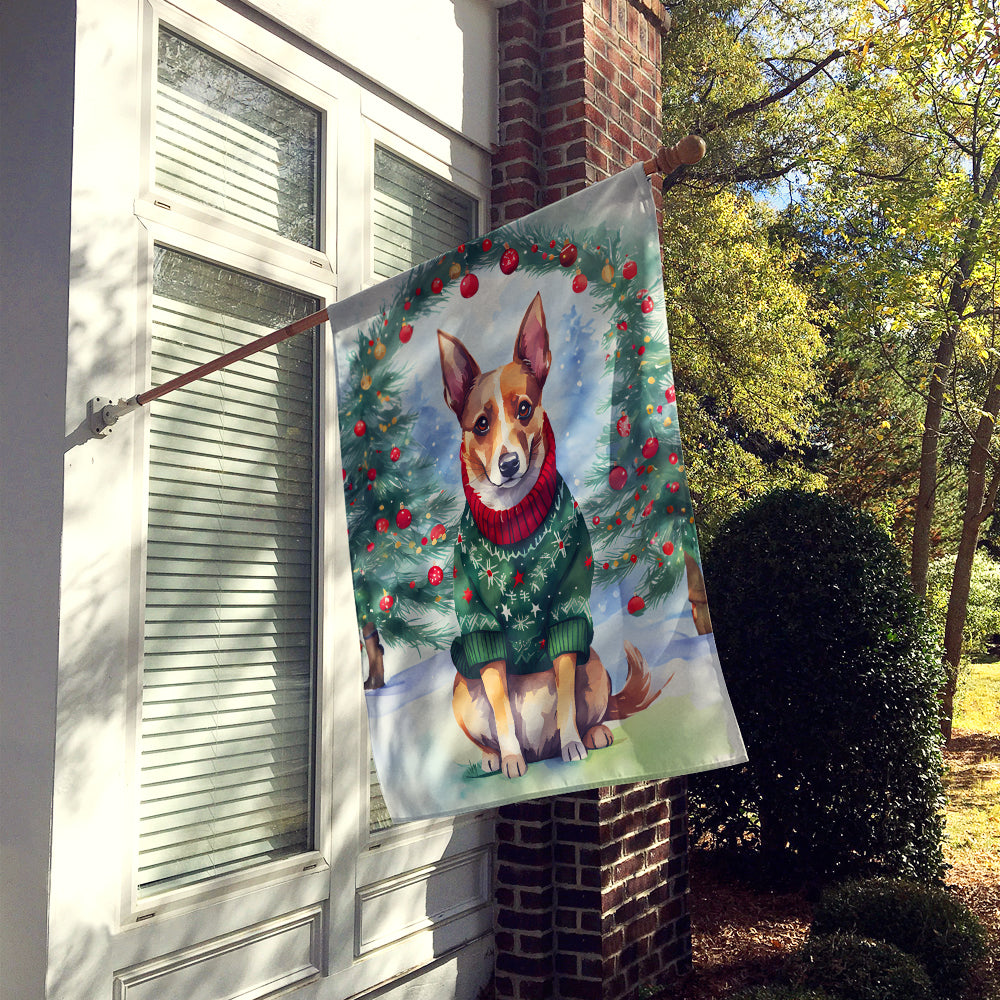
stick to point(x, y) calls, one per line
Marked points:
point(228, 644)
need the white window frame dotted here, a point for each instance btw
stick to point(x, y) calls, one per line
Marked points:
point(343, 880)
point(180, 224)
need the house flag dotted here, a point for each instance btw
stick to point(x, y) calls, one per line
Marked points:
point(520, 527)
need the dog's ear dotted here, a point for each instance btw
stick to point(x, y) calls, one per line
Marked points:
point(458, 369)
point(532, 345)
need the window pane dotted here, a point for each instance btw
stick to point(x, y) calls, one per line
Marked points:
point(417, 215)
point(228, 654)
point(231, 141)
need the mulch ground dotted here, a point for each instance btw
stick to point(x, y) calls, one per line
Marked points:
point(742, 934)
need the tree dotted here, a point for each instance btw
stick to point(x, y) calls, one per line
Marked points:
point(747, 355)
point(747, 351)
point(913, 183)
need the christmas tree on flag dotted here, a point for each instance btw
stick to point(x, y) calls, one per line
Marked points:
point(403, 524)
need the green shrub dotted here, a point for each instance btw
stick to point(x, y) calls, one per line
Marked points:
point(982, 619)
point(833, 674)
point(925, 922)
point(856, 968)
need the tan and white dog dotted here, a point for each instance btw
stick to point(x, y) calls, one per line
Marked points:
point(529, 684)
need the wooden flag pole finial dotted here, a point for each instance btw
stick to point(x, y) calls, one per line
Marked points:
point(668, 158)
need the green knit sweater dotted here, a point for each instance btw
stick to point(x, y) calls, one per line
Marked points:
point(528, 601)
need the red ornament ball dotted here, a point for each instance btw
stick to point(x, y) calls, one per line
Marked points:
point(636, 605)
point(622, 325)
point(437, 532)
point(647, 304)
point(567, 256)
point(671, 394)
point(469, 286)
point(405, 332)
point(372, 475)
point(596, 520)
point(370, 546)
point(674, 487)
point(617, 478)
point(360, 427)
point(510, 260)
point(672, 458)
point(387, 602)
point(395, 454)
point(382, 525)
point(487, 245)
point(630, 270)
point(580, 282)
point(651, 447)
point(436, 285)
point(668, 548)
point(435, 575)
point(403, 518)
point(624, 426)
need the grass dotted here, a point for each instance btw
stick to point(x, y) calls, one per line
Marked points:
point(973, 783)
point(973, 809)
point(978, 699)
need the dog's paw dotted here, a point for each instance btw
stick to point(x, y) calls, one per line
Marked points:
point(574, 750)
point(491, 762)
point(598, 738)
point(514, 766)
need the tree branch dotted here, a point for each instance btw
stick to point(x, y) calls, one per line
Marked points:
point(753, 107)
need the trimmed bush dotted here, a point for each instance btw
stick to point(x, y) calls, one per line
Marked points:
point(925, 922)
point(833, 673)
point(856, 968)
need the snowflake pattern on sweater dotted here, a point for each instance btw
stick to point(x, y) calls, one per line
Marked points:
point(525, 602)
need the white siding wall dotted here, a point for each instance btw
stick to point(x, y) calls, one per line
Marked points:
point(36, 111)
point(75, 294)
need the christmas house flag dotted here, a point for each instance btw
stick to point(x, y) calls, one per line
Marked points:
point(520, 527)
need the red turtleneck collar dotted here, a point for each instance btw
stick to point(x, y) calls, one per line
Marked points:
point(505, 527)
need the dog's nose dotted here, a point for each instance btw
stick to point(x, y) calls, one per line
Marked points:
point(509, 464)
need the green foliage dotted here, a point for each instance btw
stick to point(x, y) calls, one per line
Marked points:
point(857, 968)
point(833, 675)
point(747, 354)
point(924, 921)
point(983, 611)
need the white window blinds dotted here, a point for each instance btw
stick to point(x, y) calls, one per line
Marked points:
point(228, 657)
point(415, 216)
point(230, 141)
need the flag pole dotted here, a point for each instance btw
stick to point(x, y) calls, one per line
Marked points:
point(103, 413)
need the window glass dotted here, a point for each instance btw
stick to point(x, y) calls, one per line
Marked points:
point(415, 216)
point(228, 679)
point(235, 143)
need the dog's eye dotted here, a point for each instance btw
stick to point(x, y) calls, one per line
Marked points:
point(524, 409)
point(481, 426)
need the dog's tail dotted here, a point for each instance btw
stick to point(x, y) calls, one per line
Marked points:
point(634, 695)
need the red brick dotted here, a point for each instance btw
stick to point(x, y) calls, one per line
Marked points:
point(521, 130)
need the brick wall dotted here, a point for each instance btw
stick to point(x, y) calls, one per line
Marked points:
point(579, 97)
point(591, 888)
point(591, 893)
